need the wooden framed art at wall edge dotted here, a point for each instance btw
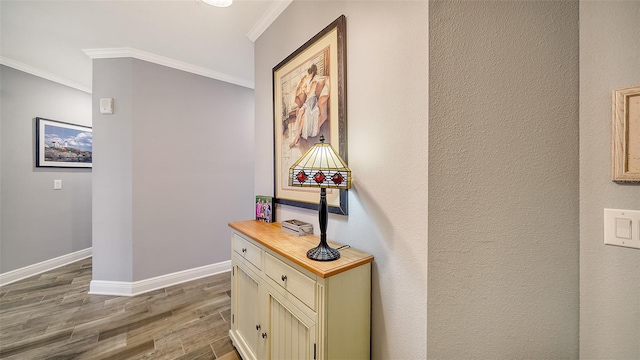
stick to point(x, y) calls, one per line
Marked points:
point(625, 130)
point(309, 101)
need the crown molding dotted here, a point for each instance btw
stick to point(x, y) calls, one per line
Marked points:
point(113, 53)
point(267, 19)
point(43, 74)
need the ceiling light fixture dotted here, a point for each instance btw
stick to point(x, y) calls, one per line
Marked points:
point(218, 3)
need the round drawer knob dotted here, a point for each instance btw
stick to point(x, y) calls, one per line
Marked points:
point(284, 277)
point(258, 327)
point(264, 335)
point(244, 250)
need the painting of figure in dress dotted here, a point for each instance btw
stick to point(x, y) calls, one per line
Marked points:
point(309, 102)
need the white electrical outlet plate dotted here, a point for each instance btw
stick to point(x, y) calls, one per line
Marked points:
point(622, 228)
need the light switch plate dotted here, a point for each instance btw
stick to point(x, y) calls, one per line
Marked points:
point(106, 106)
point(622, 228)
point(57, 184)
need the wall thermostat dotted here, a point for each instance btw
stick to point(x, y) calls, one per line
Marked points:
point(106, 106)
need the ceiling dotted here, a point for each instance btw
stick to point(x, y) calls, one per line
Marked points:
point(47, 38)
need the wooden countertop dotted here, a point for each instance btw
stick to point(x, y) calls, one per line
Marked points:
point(295, 248)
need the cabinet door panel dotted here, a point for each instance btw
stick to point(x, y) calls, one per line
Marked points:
point(292, 335)
point(247, 313)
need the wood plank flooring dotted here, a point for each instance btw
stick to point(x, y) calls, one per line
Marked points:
point(52, 316)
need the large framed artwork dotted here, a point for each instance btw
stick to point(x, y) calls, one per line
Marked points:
point(309, 101)
point(625, 130)
point(60, 144)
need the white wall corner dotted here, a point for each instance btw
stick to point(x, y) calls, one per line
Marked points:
point(267, 19)
point(115, 53)
point(123, 288)
point(39, 268)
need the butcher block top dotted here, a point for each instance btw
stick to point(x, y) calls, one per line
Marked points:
point(294, 248)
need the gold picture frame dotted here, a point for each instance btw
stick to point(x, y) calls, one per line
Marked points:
point(625, 130)
point(309, 101)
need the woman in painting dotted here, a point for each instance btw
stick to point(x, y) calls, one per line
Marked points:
point(312, 95)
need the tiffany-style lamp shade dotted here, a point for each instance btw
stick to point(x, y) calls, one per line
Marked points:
point(323, 168)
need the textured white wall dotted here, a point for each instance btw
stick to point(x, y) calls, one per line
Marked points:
point(503, 180)
point(609, 275)
point(39, 223)
point(387, 72)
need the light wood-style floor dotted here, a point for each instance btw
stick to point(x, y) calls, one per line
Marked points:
point(52, 316)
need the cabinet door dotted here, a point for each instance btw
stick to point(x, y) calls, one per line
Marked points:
point(292, 334)
point(246, 318)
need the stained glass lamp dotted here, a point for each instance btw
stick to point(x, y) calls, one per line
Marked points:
point(323, 168)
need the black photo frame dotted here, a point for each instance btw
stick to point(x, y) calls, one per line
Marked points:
point(63, 145)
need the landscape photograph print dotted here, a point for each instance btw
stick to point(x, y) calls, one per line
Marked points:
point(60, 144)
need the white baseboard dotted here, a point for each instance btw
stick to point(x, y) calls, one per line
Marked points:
point(123, 288)
point(35, 269)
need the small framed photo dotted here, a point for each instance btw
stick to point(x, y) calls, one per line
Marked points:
point(60, 144)
point(264, 209)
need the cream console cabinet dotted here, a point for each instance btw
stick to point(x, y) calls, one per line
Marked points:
point(286, 306)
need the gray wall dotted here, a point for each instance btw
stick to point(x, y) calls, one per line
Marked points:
point(112, 171)
point(39, 223)
point(503, 180)
point(174, 165)
point(387, 116)
point(609, 283)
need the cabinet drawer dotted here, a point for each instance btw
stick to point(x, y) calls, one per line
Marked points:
point(295, 282)
point(247, 250)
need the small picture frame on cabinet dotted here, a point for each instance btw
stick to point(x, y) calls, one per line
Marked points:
point(264, 208)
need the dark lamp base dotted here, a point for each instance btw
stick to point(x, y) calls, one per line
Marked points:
point(323, 253)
